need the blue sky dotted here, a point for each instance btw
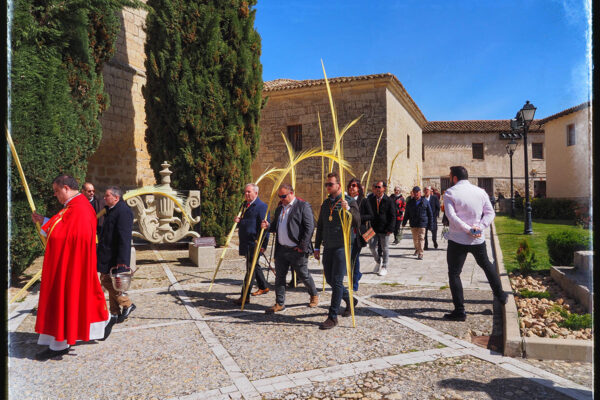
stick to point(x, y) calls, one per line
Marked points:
point(457, 59)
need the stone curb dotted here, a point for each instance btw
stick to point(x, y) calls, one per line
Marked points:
point(513, 343)
point(533, 347)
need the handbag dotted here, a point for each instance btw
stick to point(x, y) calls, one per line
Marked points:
point(368, 235)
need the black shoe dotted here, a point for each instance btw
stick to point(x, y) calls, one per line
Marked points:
point(49, 353)
point(455, 316)
point(435, 245)
point(125, 313)
point(109, 326)
point(395, 242)
point(503, 299)
point(347, 312)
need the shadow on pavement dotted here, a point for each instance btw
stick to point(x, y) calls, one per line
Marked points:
point(497, 388)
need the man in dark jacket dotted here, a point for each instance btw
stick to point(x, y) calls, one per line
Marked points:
point(383, 223)
point(89, 192)
point(253, 213)
point(330, 234)
point(418, 212)
point(293, 224)
point(434, 203)
point(114, 251)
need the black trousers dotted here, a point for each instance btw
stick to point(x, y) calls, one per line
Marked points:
point(258, 277)
point(433, 235)
point(456, 256)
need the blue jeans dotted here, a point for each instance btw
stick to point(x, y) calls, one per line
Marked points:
point(334, 265)
point(355, 257)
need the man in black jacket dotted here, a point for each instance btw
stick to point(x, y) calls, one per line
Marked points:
point(419, 213)
point(434, 203)
point(330, 234)
point(114, 251)
point(383, 223)
point(89, 192)
point(293, 224)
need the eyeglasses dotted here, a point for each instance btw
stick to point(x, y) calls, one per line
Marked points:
point(377, 187)
point(354, 185)
point(330, 184)
point(283, 196)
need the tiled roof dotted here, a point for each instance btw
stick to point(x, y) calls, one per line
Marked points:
point(565, 112)
point(287, 84)
point(475, 126)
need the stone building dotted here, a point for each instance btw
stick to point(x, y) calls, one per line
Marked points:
point(569, 144)
point(122, 157)
point(477, 146)
point(293, 107)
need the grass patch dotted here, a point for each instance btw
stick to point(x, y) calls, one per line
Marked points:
point(393, 284)
point(440, 346)
point(510, 234)
point(444, 287)
point(572, 321)
point(532, 293)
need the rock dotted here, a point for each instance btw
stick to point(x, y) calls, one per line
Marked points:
point(354, 396)
point(548, 332)
point(560, 301)
point(372, 395)
point(395, 396)
point(527, 322)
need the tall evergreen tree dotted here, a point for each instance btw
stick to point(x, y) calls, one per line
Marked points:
point(57, 95)
point(203, 99)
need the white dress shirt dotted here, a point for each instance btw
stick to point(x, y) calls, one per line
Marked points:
point(282, 232)
point(467, 205)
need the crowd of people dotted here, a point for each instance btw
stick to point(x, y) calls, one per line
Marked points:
point(90, 236)
point(375, 218)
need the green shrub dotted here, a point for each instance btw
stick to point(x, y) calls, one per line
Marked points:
point(576, 322)
point(553, 209)
point(532, 293)
point(564, 243)
point(526, 257)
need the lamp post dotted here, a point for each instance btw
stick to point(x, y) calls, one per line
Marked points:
point(522, 121)
point(510, 149)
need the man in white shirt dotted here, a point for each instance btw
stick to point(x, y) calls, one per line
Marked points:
point(469, 212)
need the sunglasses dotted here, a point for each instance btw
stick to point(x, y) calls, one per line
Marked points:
point(283, 196)
point(354, 185)
point(377, 187)
point(330, 184)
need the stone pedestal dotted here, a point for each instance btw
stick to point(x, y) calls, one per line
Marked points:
point(577, 280)
point(202, 256)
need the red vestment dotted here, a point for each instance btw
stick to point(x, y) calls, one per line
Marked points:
point(71, 298)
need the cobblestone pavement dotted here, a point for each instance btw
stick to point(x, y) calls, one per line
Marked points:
point(184, 342)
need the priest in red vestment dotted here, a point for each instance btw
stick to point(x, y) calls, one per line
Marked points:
point(71, 304)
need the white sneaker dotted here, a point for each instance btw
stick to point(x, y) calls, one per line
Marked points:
point(382, 271)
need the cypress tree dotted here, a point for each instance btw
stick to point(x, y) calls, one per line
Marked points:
point(57, 95)
point(203, 100)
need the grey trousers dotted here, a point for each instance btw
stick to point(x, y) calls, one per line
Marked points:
point(284, 259)
point(385, 247)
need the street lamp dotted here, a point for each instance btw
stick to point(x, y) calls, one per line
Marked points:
point(510, 149)
point(522, 121)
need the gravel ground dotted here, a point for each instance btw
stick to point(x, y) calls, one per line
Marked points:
point(578, 372)
point(429, 306)
point(160, 363)
point(449, 378)
point(300, 345)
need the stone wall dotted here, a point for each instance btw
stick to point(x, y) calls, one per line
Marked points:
point(569, 167)
point(443, 150)
point(301, 107)
point(122, 157)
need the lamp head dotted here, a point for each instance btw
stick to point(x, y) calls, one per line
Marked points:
point(527, 112)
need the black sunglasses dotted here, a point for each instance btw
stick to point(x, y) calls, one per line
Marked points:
point(377, 187)
point(329, 184)
point(354, 185)
point(283, 196)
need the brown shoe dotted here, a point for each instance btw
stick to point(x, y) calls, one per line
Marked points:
point(260, 291)
point(314, 301)
point(239, 301)
point(328, 324)
point(274, 309)
point(347, 312)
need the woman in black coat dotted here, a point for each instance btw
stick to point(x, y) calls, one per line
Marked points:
point(355, 190)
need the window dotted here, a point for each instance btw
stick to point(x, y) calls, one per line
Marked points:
point(478, 151)
point(407, 146)
point(486, 184)
point(537, 151)
point(570, 134)
point(423, 152)
point(294, 134)
point(444, 183)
